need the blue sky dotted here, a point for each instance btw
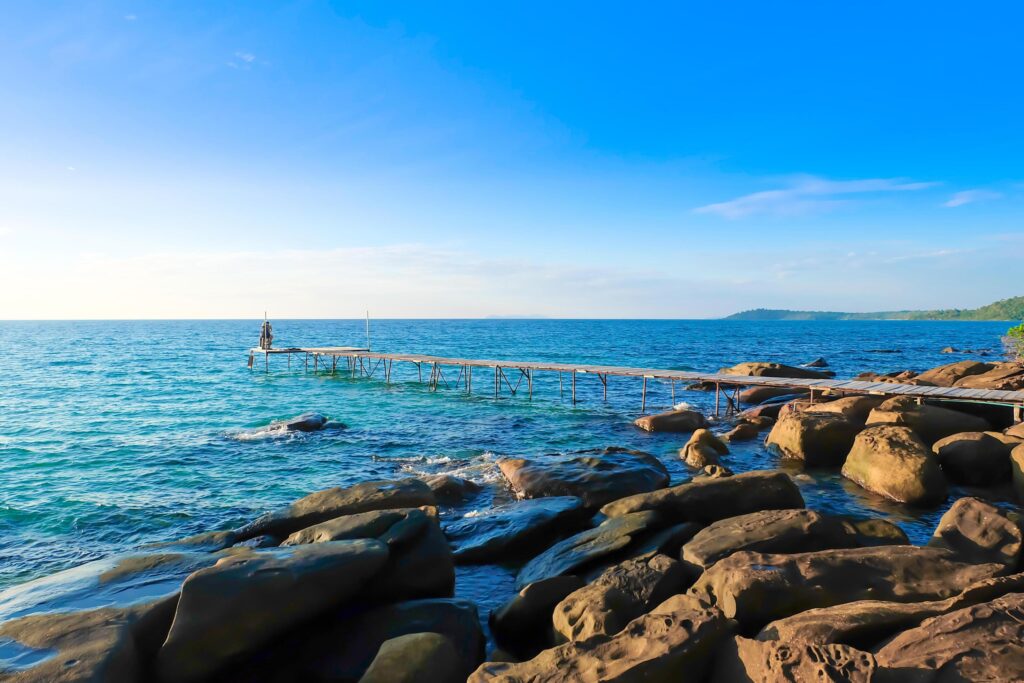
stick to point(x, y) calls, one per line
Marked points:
point(469, 159)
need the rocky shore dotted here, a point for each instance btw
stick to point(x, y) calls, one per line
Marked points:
point(621, 573)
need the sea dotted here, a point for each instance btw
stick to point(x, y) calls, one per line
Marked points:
point(117, 434)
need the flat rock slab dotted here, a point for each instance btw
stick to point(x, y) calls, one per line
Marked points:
point(710, 500)
point(595, 477)
point(676, 641)
point(330, 503)
point(756, 588)
point(576, 552)
point(512, 531)
point(249, 598)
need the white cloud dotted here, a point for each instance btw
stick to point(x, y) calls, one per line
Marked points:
point(246, 57)
point(807, 195)
point(971, 196)
point(130, 17)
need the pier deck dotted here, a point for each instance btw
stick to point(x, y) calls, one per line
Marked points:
point(366, 363)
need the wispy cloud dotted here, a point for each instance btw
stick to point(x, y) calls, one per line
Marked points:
point(807, 195)
point(130, 17)
point(971, 196)
point(243, 60)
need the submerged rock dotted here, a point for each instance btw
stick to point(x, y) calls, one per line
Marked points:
point(976, 531)
point(756, 588)
point(676, 641)
point(893, 462)
point(929, 422)
point(307, 422)
point(595, 477)
point(744, 660)
point(815, 439)
point(513, 531)
point(247, 599)
point(416, 658)
point(330, 503)
point(709, 500)
point(620, 594)
point(673, 421)
point(974, 458)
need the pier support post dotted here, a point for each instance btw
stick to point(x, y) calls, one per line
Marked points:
point(673, 393)
point(604, 381)
point(250, 360)
point(266, 362)
point(718, 393)
point(529, 382)
point(469, 380)
point(643, 396)
point(495, 381)
point(574, 387)
point(559, 385)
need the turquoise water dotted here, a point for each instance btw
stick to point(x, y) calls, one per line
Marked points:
point(114, 434)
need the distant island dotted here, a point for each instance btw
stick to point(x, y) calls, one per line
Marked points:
point(1007, 309)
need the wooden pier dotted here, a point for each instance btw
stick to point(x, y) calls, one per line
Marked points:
point(511, 374)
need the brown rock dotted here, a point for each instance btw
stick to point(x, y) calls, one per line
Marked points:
point(1016, 431)
point(929, 422)
point(893, 462)
point(672, 421)
point(523, 625)
point(595, 477)
point(983, 642)
point(713, 472)
point(854, 408)
point(451, 489)
point(755, 369)
point(1004, 377)
point(746, 660)
point(873, 531)
point(744, 431)
point(950, 374)
point(765, 411)
point(768, 531)
point(676, 640)
point(815, 439)
point(755, 588)
point(762, 394)
point(1017, 470)
point(979, 532)
point(703, 449)
point(974, 458)
point(709, 500)
point(622, 593)
point(416, 658)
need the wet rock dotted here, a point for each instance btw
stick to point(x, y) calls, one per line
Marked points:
point(713, 472)
point(576, 552)
point(210, 542)
point(950, 374)
point(854, 408)
point(768, 531)
point(950, 349)
point(817, 363)
point(978, 532)
point(676, 641)
point(973, 458)
point(761, 412)
point(330, 503)
point(1017, 470)
point(514, 531)
point(815, 439)
point(983, 642)
point(759, 421)
point(106, 644)
point(893, 462)
point(756, 588)
point(450, 489)
point(752, 369)
point(710, 500)
point(247, 599)
point(744, 431)
point(931, 423)
point(867, 623)
point(745, 660)
point(870, 531)
point(416, 658)
point(673, 421)
point(703, 449)
point(762, 394)
point(373, 524)
point(307, 422)
point(620, 594)
point(1003, 377)
point(595, 477)
point(523, 625)
point(259, 542)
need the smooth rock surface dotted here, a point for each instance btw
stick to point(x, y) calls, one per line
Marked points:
point(416, 658)
point(594, 477)
point(703, 449)
point(929, 422)
point(450, 489)
point(893, 462)
point(756, 369)
point(854, 408)
point(672, 421)
point(973, 458)
point(1017, 470)
point(949, 374)
point(979, 532)
point(523, 625)
point(744, 431)
point(816, 439)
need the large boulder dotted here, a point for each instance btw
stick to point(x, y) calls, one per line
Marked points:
point(866, 623)
point(673, 421)
point(374, 524)
point(523, 625)
point(755, 369)
point(854, 408)
point(330, 503)
point(815, 439)
point(596, 477)
point(755, 661)
point(703, 449)
point(1003, 377)
point(768, 531)
point(709, 500)
point(929, 422)
point(585, 548)
point(249, 598)
point(1017, 470)
point(984, 642)
point(949, 374)
point(105, 644)
point(979, 532)
point(622, 593)
point(974, 458)
point(761, 394)
point(893, 462)
point(513, 531)
point(756, 588)
point(416, 658)
point(676, 641)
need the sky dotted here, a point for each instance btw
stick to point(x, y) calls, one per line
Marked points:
point(596, 160)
